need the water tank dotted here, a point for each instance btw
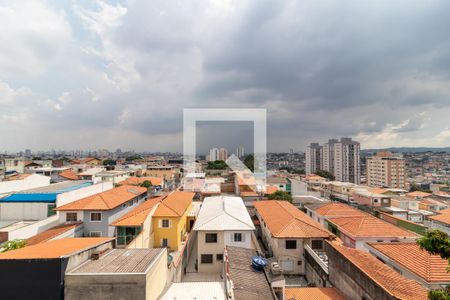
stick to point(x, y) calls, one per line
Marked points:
point(258, 263)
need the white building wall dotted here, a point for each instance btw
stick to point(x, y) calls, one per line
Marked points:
point(23, 210)
point(33, 229)
point(30, 182)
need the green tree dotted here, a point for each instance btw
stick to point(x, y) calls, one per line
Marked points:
point(280, 195)
point(438, 243)
point(133, 157)
point(109, 162)
point(249, 162)
point(12, 245)
point(217, 165)
point(325, 174)
point(146, 184)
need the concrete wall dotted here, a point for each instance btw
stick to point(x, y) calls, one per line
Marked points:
point(156, 277)
point(30, 182)
point(33, 229)
point(350, 280)
point(24, 210)
point(210, 248)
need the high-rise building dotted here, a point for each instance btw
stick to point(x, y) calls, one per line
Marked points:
point(27, 152)
point(240, 151)
point(312, 157)
point(386, 170)
point(327, 156)
point(340, 158)
point(347, 161)
point(218, 154)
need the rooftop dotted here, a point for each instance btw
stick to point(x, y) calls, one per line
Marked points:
point(247, 283)
point(175, 204)
point(139, 180)
point(139, 214)
point(369, 226)
point(431, 268)
point(69, 174)
point(121, 261)
point(50, 233)
point(55, 249)
point(443, 216)
point(418, 194)
point(47, 193)
point(336, 209)
point(286, 221)
point(195, 291)
point(391, 281)
point(223, 213)
point(105, 200)
point(312, 293)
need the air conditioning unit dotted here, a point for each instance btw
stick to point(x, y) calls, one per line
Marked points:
point(275, 268)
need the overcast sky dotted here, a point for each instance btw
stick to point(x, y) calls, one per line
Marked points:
point(100, 74)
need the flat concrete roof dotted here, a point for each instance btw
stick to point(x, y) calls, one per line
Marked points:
point(119, 261)
point(58, 187)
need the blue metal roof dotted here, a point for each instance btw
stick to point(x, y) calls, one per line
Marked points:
point(38, 197)
point(42, 197)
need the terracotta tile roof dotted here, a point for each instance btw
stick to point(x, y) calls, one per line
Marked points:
point(443, 216)
point(55, 248)
point(284, 220)
point(105, 200)
point(418, 194)
point(139, 180)
point(18, 177)
point(137, 216)
point(312, 293)
point(432, 268)
point(174, 205)
point(335, 209)
point(271, 189)
point(248, 194)
point(378, 190)
point(369, 226)
point(69, 174)
point(391, 281)
point(314, 177)
point(51, 233)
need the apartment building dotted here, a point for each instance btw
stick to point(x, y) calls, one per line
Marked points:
point(312, 158)
point(341, 158)
point(347, 161)
point(222, 221)
point(386, 170)
point(218, 154)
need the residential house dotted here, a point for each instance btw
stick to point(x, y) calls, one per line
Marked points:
point(45, 265)
point(432, 205)
point(418, 195)
point(134, 229)
point(170, 220)
point(286, 232)
point(222, 221)
point(369, 198)
point(282, 183)
point(321, 212)
point(98, 211)
point(427, 269)
point(359, 275)
point(119, 274)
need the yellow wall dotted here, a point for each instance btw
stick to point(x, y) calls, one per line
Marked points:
point(174, 234)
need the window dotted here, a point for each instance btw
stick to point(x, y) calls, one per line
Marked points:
point(206, 259)
point(71, 217)
point(238, 237)
point(219, 257)
point(291, 244)
point(211, 238)
point(95, 234)
point(165, 243)
point(317, 244)
point(165, 223)
point(96, 217)
point(299, 262)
